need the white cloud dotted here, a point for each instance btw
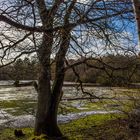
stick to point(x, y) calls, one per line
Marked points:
point(83, 1)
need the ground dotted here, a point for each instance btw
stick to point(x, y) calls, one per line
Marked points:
point(95, 127)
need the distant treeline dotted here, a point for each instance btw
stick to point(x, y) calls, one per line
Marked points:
point(106, 70)
point(21, 69)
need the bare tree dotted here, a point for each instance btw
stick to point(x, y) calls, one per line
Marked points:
point(61, 29)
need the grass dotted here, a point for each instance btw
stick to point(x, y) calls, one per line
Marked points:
point(8, 134)
point(91, 127)
point(24, 106)
point(94, 127)
point(86, 127)
point(18, 107)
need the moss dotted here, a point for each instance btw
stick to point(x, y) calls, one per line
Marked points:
point(21, 107)
point(107, 105)
point(92, 127)
point(41, 137)
point(8, 104)
point(85, 127)
point(18, 107)
point(100, 105)
point(17, 103)
point(68, 107)
point(8, 134)
point(79, 129)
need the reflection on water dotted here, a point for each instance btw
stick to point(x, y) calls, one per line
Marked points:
point(17, 93)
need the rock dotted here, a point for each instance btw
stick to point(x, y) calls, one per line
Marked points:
point(19, 133)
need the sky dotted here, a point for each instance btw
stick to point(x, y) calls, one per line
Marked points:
point(130, 31)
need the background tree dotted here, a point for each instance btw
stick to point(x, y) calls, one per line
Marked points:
point(136, 4)
point(18, 70)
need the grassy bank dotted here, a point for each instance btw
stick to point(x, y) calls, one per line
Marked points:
point(95, 127)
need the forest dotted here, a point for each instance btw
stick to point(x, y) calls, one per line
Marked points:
point(120, 70)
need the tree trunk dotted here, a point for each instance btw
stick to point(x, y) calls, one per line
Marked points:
point(46, 117)
point(136, 5)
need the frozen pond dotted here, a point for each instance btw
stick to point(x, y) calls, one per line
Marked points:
point(29, 120)
point(18, 104)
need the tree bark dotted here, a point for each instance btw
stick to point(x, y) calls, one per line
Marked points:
point(46, 117)
point(48, 100)
point(136, 5)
